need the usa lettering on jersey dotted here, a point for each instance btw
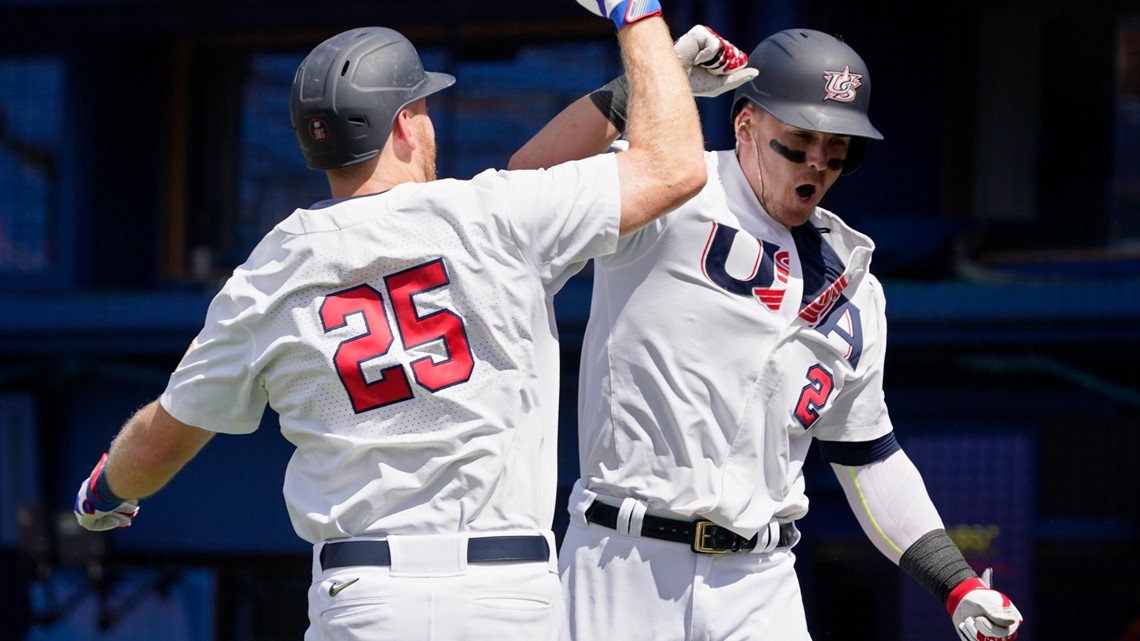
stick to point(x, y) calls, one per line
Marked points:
point(830, 313)
point(768, 280)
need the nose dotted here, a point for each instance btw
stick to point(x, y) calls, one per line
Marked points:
point(817, 156)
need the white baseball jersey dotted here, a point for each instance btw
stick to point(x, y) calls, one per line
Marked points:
point(719, 343)
point(407, 342)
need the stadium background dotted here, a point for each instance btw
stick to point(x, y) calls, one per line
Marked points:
point(145, 147)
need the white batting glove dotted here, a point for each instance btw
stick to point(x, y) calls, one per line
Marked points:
point(714, 65)
point(981, 613)
point(622, 12)
point(96, 514)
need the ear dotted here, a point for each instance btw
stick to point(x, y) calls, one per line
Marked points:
point(743, 129)
point(403, 134)
point(742, 124)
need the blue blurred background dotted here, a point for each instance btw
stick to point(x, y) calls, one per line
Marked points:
point(145, 147)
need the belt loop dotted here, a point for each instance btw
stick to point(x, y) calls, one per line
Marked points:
point(769, 537)
point(630, 518)
point(580, 500)
point(318, 571)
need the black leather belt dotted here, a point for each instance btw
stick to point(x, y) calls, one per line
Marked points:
point(533, 547)
point(704, 537)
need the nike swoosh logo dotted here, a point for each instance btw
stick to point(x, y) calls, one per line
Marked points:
point(335, 588)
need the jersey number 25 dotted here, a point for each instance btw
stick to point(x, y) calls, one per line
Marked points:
point(392, 386)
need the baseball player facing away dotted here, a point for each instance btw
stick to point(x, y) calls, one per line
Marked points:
point(722, 340)
point(403, 333)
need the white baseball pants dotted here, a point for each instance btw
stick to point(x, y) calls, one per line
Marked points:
point(641, 589)
point(430, 592)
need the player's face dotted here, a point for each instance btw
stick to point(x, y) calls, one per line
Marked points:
point(790, 169)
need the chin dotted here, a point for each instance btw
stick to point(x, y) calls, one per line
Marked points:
point(796, 216)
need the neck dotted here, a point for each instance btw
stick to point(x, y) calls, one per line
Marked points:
point(370, 177)
point(373, 185)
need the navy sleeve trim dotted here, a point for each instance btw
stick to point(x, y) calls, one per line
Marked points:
point(860, 453)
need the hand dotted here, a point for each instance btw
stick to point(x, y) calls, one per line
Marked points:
point(981, 613)
point(714, 65)
point(96, 514)
point(622, 12)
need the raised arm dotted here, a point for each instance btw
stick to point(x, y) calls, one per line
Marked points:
point(712, 65)
point(664, 165)
point(578, 131)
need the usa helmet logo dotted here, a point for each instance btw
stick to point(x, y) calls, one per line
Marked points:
point(841, 85)
point(318, 129)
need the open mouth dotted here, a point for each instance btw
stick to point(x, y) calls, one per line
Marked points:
point(805, 192)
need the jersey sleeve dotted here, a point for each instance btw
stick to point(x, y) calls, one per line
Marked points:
point(216, 387)
point(568, 214)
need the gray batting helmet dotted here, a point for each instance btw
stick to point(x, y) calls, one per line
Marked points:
point(815, 81)
point(348, 90)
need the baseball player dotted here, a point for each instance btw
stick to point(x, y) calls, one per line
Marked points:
point(403, 333)
point(723, 339)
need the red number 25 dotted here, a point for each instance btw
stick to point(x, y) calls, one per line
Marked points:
point(392, 385)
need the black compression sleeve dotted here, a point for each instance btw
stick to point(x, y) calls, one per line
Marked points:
point(936, 563)
point(612, 99)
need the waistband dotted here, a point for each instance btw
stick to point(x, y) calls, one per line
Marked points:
point(704, 537)
point(488, 549)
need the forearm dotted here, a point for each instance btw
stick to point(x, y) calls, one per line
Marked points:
point(578, 131)
point(937, 564)
point(149, 450)
point(664, 165)
point(890, 501)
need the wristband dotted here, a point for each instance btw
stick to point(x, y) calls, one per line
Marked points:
point(937, 564)
point(100, 490)
point(612, 99)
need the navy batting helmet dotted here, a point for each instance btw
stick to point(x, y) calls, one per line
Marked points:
point(348, 90)
point(815, 81)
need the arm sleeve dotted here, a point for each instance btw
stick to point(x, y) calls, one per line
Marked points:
point(566, 215)
point(890, 501)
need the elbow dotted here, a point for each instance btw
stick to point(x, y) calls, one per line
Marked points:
point(696, 175)
point(687, 180)
point(523, 159)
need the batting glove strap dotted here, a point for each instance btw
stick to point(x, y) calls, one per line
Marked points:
point(706, 48)
point(623, 12)
point(982, 614)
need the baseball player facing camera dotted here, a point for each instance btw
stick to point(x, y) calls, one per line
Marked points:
point(723, 340)
point(420, 392)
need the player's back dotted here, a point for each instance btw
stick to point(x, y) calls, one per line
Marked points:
point(406, 364)
point(406, 342)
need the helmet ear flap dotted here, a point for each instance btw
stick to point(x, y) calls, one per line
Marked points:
point(856, 149)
